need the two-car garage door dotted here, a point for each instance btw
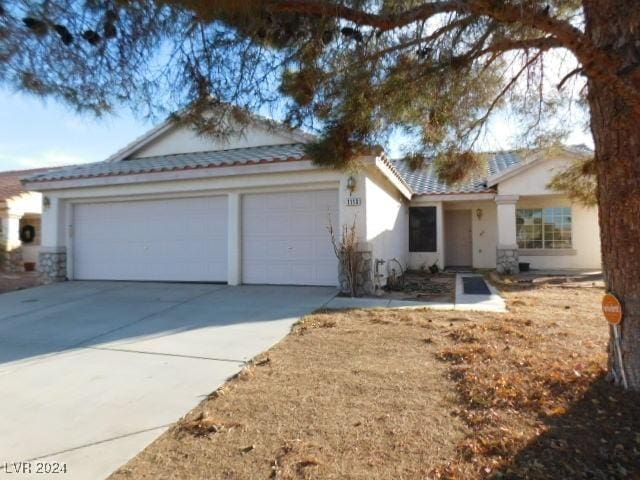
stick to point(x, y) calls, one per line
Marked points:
point(164, 240)
point(284, 239)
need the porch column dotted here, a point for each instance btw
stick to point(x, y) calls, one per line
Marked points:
point(507, 248)
point(10, 244)
point(234, 239)
point(52, 261)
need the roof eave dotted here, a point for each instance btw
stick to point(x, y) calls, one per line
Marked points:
point(278, 166)
point(454, 196)
point(392, 174)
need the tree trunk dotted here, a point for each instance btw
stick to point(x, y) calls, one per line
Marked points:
point(613, 26)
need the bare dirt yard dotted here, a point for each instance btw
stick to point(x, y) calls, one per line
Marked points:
point(10, 282)
point(400, 394)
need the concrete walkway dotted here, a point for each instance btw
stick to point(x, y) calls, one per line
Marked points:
point(478, 303)
point(463, 302)
point(92, 372)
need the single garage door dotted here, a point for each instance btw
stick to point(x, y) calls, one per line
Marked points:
point(285, 238)
point(158, 240)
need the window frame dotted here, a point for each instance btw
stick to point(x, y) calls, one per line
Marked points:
point(545, 228)
point(422, 240)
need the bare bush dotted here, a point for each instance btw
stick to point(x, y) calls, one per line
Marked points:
point(345, 249)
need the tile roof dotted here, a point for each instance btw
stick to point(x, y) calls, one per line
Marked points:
point(10, 184)
point(183, 161)
point(425, 181)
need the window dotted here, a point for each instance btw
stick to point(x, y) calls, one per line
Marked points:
point(544, 227)
point(422, 229)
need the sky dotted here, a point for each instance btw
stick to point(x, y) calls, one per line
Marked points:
point(36, 133)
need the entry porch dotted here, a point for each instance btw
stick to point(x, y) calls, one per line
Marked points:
point(492, 231)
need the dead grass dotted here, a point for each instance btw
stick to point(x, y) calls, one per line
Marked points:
point(533, 394)
point(346, 395)
point(417, 394)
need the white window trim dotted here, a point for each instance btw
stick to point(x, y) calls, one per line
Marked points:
point(547, 251)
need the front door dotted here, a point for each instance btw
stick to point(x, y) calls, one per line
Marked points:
point(458, 243)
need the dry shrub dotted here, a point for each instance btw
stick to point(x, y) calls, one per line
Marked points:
point(345, 249)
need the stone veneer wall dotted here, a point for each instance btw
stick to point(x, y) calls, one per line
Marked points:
point(52, 264)
point(507, 261)
point(11, 260)
point(364, 276)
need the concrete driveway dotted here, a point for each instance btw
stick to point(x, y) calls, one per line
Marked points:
point(92, 372)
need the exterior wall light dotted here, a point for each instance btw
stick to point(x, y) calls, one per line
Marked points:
point(46, 203)
point(479, 213)
point(351, 184)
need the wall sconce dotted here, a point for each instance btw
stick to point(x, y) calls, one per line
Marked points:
point(351, 185)
point(46, 203)
point(479, 213)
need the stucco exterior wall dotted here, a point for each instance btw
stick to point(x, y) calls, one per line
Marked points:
point(534, 179)
point(353, 214)
point(585, 233)
point(386, 224)
point(184, 140)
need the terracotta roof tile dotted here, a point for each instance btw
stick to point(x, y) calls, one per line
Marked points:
point(425, 181)
point(10, 184)
point(183, 161)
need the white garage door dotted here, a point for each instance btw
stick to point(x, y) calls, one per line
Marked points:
point(285, 238)
point(164, 240)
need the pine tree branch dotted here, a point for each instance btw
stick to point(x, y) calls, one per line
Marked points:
point(599, 65)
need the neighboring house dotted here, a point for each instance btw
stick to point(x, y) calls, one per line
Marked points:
point(20, 212)
point(175, 206)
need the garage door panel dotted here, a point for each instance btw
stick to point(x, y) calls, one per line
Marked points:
point(301, 249)
point(277, 249)
point(254, 225)
point(156, 240)
point(322, 250)
point(278, 224)
point(254, 249)
point(303, 225)
point(275, 201)
point(302, 200)
point(285, 238)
